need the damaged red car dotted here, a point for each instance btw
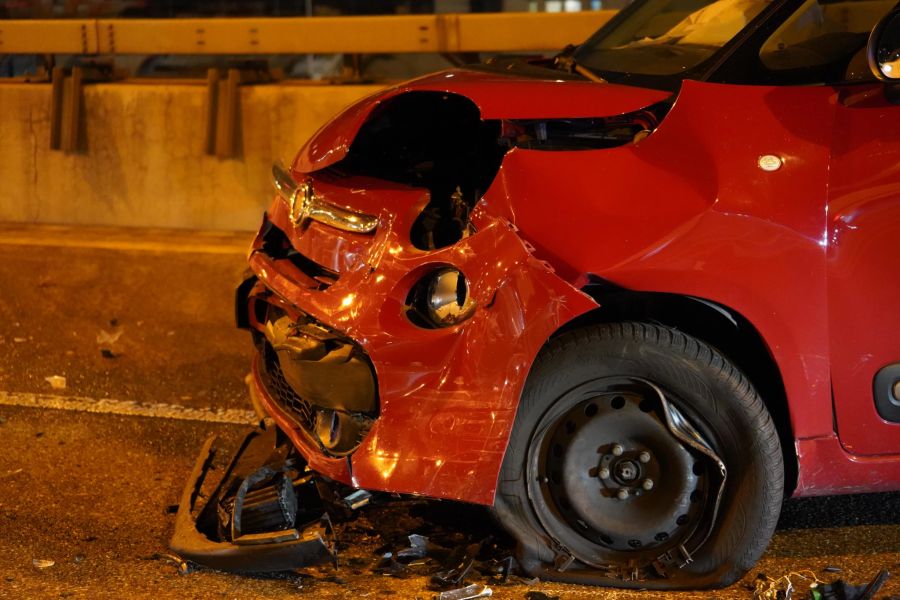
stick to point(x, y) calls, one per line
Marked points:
point(629, 298)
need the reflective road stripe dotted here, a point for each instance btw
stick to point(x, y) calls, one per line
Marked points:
point(139, 246)
point(129, 408)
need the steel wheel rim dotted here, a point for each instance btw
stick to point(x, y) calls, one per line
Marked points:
point(593, 498)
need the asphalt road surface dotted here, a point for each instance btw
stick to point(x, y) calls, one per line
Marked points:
point(140, 325)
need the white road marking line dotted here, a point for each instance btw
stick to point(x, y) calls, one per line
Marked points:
point(129, 408)
point(172, 248)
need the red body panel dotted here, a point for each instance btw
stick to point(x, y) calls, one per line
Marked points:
point(828, 469)
point(686, 211)
point(864, 225)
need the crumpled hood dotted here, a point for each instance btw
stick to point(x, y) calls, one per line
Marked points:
point(497, 97)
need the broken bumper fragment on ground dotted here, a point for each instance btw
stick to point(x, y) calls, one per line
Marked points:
point(264, 514)
point(268, 512)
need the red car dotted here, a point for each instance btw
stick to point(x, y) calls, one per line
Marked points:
point(630, 298)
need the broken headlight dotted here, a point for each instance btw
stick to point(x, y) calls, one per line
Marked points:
point(440, 299)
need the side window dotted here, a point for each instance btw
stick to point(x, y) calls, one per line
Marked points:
point(824, 41)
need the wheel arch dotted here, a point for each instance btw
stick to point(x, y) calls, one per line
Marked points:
point(715, 324)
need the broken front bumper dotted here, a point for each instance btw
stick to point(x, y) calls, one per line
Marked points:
point(322, 381)
point(262, 516)
point(445, 398)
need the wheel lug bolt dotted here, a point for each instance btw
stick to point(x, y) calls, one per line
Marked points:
point(604, 473)
point(617, 449)
point(647, 484)
point(622, 494)
point(644, 457)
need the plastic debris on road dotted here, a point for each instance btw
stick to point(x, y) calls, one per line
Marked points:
point(806, 585)
point(841, 590)
point(57, 382)
point(476, 590)
point(418, 548)
point(107, 340)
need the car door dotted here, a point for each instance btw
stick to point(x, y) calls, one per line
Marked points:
point(822, 43)
point(863, 257)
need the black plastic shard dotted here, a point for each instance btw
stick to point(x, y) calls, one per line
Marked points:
point(841, 590)
point(418, 548)
point(459, 564)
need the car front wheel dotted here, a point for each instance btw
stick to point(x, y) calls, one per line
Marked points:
point(641, 457)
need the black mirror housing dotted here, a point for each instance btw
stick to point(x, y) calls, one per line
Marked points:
point(883, 49)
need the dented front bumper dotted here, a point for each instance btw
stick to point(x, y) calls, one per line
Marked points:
point(226, 533)
point(445, 398)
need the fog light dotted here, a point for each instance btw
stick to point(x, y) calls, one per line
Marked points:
point(328, 428)
point(441, 299)
point(338, 432)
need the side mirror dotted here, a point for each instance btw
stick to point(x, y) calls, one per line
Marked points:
point(884, 48)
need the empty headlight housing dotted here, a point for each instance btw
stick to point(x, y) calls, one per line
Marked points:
point(440, 299)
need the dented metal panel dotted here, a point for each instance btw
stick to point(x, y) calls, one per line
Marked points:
point(448, 396)
point(495, 95)
point(710, 224)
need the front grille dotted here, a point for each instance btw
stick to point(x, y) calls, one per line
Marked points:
point(279, 390)
point(334, 397)
point(277, 246)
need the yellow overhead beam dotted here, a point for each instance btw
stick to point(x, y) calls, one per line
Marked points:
point(484, 32)
point(38, 36)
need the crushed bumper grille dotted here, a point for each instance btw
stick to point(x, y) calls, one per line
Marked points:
point(279, 389)
point(320, 380)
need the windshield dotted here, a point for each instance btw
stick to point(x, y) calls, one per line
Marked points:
point(666, 37)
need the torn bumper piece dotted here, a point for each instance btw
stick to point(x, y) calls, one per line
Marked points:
point(264, 515)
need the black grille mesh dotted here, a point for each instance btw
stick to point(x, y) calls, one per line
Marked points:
point(278, 388)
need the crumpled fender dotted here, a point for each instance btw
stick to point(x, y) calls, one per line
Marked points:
point(688, 211)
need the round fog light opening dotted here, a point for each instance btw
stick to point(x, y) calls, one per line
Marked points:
point(441, 298)
point(448, 300)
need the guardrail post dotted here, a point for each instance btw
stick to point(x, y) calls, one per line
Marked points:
point(65, 109)
point(212, 109)
point(227, 121)
point(222, 113)
point(223, 108)
point(57, 79)
point(72, 112)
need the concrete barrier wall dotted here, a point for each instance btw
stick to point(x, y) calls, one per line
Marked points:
point(142, 160)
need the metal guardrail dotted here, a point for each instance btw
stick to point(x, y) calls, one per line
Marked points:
point(441, 33)
point(482, 32)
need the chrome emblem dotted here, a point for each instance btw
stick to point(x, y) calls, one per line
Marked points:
point(301, 203)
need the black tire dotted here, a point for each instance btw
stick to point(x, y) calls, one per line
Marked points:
point(603, 386)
